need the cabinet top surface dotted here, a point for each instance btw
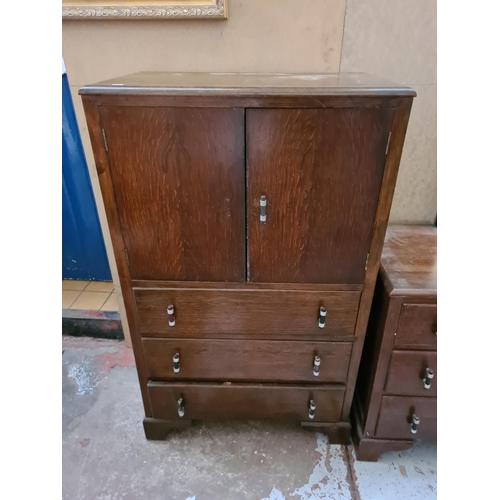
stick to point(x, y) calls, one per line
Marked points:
point(244, 84)
point(409, 260)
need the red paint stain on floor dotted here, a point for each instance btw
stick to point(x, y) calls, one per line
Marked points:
point(123, 357)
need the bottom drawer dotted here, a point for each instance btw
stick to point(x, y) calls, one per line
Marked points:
point(245, 401)
point(396, 415)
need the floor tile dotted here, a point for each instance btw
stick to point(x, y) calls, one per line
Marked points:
point(68, 297)
point(111, 304)
point(74, 284)
point(100, 286)
point(397, 475)
point(90, 301)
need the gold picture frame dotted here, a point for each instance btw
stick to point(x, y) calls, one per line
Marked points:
point(143, 9)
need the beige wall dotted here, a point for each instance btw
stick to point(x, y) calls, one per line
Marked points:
point(390, 38)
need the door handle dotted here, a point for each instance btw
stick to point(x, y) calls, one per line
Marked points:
point(263, 206)
point(429, 375)
point(322, 317)
point(317, 362)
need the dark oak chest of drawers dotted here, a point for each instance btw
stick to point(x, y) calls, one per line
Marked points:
point(247, 215)
point(396, 392)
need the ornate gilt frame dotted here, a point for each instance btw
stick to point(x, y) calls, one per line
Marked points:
point(145, 9)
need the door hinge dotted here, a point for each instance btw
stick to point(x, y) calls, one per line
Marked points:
point(366, 263)
point(126, 257)
point(388, 142)
point(104, 139)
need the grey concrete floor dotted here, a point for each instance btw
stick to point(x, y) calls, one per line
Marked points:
point(106, 456)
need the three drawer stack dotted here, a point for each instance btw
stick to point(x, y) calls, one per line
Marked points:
point(396, 393)
point(247, 215)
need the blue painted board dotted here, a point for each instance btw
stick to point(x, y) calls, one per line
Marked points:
point(83, 251)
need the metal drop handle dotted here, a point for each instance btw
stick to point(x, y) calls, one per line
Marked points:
point(415, 421)
point(317, 362)
point(176, 362)
point(429, 375)
point(262, 206)
point(180, 407)
point(312, 409)
point(171, 316)
point(322, 317)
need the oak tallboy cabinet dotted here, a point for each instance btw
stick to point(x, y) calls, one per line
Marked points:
point(247, 214)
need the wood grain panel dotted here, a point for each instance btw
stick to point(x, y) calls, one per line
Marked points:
point(409, 260)
point(245, 401)
point(321, 171)
point(247, 360)
point(407, 371)
point(106, 185)
point(393, 158)
point(396, 413)
point(268, 314)
point(178, 178)
point(417, 326)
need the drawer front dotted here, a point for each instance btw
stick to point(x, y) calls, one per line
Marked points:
point(407, 371)
point(417, 326)
point(252, 360)
point(246, 313)
point(396, 415)
point(245, 401)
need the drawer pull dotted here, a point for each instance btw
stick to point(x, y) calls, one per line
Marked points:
point(263, 205)
point(312, 409)
point(171, 317)
point(180, 407)
point(317, 362)
point(414, 424)
point(322, 317)
point(176, 362)
point(429, 375)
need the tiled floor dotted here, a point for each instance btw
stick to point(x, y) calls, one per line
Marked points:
point(89, 295)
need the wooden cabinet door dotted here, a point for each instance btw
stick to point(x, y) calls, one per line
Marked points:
point(321, 172)
point(179, 183)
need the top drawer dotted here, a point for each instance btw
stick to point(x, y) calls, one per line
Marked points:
point(242, 313)
point(417, 326)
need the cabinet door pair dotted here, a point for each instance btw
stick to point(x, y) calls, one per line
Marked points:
point(188, 182)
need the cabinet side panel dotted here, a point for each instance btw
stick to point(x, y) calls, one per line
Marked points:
point(105, 182)
point(393, 158)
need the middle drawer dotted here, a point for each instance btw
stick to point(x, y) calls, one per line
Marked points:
point(236, 313)
point(252, 360)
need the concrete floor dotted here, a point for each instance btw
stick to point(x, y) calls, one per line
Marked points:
point(106, 456)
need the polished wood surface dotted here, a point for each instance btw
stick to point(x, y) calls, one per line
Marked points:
point(393, 158)
point(409, 261)
point(179, 190)
point(174, 153)
point(230, 84)
point(417, 326)
point(396, 414)
point(400, 344)
point(313, 165)
point(214, 285)
point(106, 185)
point(241, 360)
point(245, 401)
point(225, 313)
point(406, 373)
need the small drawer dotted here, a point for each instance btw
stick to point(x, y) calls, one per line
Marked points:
point(251, 360)
point(396, 415)
point(245, 401)
point(236, 313)
point(417, 326)
point(408, 375)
